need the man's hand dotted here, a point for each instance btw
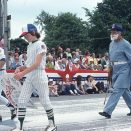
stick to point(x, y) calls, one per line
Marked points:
point(17, 70)
point(18, 75)
point(110, 71)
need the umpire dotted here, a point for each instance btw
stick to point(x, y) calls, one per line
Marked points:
point(120, 61)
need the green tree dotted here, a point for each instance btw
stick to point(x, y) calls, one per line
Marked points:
point(101, 19)
point(66, 29)
point(22, 44)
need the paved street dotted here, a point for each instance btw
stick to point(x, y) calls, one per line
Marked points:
point(72, 113)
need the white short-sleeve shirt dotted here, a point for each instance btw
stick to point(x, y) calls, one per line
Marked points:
point(33, 50)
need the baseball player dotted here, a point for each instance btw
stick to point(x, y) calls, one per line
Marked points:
point(36, 76)
point(2, 72)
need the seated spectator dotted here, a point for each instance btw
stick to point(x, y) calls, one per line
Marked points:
point(69, 88)
point(59, 52)
point(94, 59)
point(11, 58)
point(90, 85)
point(68, 53)
point(98, 85)
point(64, 63)
point(50, 62)
point(23, 58)
point(60, 88)
point(105, 61)
point(101, 87)
point(16, 62)
point(85, 59)
point(79, 86)
point(73, 56)
point(59, 65)
point(76, 64)
point(52, 88)
point(77, 53)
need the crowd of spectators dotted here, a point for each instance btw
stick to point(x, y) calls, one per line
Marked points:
point(77, 86)
point(57, 59)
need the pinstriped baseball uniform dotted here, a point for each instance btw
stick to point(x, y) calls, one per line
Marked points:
point(2, 72)
point(37, 78)
point(2, 98)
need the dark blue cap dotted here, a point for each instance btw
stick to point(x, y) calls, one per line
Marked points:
point(117, 27)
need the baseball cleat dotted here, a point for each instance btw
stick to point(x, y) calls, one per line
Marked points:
point(13, 113)
point(50, 128)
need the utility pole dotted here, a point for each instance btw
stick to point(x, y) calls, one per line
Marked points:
point(6, 30)
point(1, 20)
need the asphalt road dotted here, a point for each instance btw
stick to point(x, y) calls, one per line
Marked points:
point(72, 113)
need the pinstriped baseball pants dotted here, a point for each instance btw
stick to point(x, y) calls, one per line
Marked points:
point(114, 98)
point(38, 80)
point(2, 98)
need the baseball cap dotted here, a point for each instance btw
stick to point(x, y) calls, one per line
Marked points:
point(28, 28)
point(117, 27)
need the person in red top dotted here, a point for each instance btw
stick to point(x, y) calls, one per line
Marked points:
point(76, 64)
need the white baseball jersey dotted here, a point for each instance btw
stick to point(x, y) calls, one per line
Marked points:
point(37, 79)
point(33, 50)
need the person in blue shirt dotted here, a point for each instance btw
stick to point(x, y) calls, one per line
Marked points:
point(120, 61)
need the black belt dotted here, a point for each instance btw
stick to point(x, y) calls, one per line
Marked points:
point(2, 69)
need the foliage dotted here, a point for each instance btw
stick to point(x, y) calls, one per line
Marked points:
point(65, 29)
point(101, 19)
point(93, 34)
point(20, 43)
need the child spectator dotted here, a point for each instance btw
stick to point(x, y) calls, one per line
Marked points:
point(52, 88)
point(89, 85)
point(79, 86)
